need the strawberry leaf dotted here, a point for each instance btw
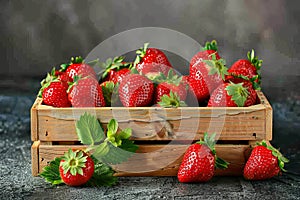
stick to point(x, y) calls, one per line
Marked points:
point(51, 172)
point(112, 154)
point(128, 145)
point(103, 175)
point(112, 127)
point(89, 130)
point(220, 163)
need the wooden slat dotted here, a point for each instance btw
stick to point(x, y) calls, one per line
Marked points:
point(61, 127)
point(269, 115)
point(157, 160)
point(35, 164)
point(34, 119)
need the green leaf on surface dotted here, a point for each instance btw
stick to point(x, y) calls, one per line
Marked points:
point(51, 172)
point(89, 130)
point(103, 175)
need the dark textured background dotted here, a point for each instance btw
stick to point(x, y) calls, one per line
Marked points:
point(37, 35)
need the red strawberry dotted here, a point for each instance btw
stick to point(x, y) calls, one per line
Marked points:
point(167, 84)
point(151, 60)
point(206, 53)
point(76, 168)
point(199, 161)
point(86, 92)
point(136, 90)
point(264, 162)
point(233, 95)
point(119, 75)
point(246, 69)
point(112, 66)
point(78, 68)
point(205, 76)
point(54, 92)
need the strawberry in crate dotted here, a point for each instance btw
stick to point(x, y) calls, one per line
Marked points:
point(85, 92)
point(151, 61)
point(77, 67)
point(114, 69)
point(244, 69)
point(242, 81)
point(166, 84)
point(207, 71)
point(54, 90)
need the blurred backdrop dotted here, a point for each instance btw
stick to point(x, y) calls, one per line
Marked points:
point(37, 35)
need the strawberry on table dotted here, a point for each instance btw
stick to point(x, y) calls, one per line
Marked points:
point(244, 69)
point(151, 60)
point(207, 71)
point(199, 161)
point(136, 90)
point(76, 168)
point(77, 67)
point(264, 162)
point(233, 95)
point(85, 92)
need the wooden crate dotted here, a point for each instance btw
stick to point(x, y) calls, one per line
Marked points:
point(162, 134)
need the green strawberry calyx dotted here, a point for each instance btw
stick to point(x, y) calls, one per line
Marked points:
point(171, 101)
point(238, 93)
point(108, 89)
point(74, 162)
point(140, 54)
point(210, 142)
point(73, 60)
point(211, 45)
point(255, 80)
point(116, 63)
point(47, 81)
point(276, 153)
point(255, 62)
point(216, 66)
point(171, 78)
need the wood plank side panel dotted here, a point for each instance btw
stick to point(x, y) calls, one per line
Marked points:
point(34, 119)
point(269, 115)
point(232, 125)
point(147, 162)
point(35, 164)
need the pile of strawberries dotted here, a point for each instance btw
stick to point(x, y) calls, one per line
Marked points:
point(152, 80)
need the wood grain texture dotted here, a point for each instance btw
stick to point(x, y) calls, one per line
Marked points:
point(157, 160)
point(35, 158)
point(152, 123)
point(269, 115)
point(34, 119)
